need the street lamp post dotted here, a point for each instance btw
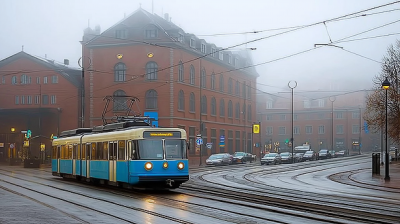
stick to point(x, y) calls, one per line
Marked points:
point(292, 85)
point(332, 99)
point(385, 86)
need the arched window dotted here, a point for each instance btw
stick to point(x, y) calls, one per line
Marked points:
point(181, 75)
point(249, 112)
point(181, 100)
point(222, 108)
point(237, 111)
point(119, 101)
point(24, 79)
point(249, 92)
point(230, 86)
point(204, 104)
point(203, 78)
point(237, 89)
point(221, 83)
point(151, 99)
point(151, 70)
point(192, 75)
point(119, 72)
point(230, 109)
point(244, 111)
point(14, 80)
point(192, 103)
point(213, 106)
point(213, 81)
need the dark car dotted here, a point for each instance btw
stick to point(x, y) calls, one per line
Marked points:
point(324, 154)
point(286, 157)
point(218, 159)
point(242, 157)
point(271, 158)
point(298, 157)
point(309, 156)
point(333, 153)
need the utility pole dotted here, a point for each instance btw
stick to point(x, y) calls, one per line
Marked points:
point(201, 122)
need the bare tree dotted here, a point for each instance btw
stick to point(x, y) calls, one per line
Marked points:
point(376, 102)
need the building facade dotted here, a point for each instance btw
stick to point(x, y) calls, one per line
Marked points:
point(322, 120)
point(184, 80)
point(39, 95)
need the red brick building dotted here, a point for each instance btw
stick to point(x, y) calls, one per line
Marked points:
point(38, 95)
point(186, 80)
point(312, 115)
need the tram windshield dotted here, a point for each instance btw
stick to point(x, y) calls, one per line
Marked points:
point(153, 149)
point(175, 149)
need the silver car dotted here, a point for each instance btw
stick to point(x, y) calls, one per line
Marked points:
point(271, 158)
point(218, 159)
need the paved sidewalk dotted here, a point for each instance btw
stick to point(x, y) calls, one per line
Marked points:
point(366, 176)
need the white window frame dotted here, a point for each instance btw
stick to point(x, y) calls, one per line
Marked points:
point(45, 80)
point(213, 52)
point(308, 129)
point(203, 48)
point(192, 43)
point(53, 99)
point(270, 130)
point(321, 129)
point(269, 105)
point(37, 80)
point(54, 79)
point(229, 59)
point(284, 130)
point(221, 55)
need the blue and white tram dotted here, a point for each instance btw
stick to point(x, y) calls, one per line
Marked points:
point(138, 156)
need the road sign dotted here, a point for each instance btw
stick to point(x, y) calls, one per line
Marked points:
point(209, 145)
point(11, 146)
point(256, 128)
point(222, 138)
point(199, 141)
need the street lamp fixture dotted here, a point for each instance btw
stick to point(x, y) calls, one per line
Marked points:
point(385, 86)
point(12, 129)
point(292, 85)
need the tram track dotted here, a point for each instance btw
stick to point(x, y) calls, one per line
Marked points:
point(159, 215)
point(292, 202)
point(174, 203)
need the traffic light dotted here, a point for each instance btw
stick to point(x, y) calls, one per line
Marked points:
point(287, 141)
point(28, 134)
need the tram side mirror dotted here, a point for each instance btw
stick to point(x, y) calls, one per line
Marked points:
point(188, 146)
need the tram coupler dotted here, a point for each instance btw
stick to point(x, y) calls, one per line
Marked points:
point(169, 182)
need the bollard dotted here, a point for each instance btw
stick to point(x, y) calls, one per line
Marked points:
point(378, 161)
point(373, 163)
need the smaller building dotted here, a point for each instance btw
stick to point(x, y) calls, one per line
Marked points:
point(39, 95)
point(323, 120)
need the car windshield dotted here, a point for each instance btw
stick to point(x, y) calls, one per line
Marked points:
point(308, 153)
point(285, 154)
point(323, 151)
point(270, 155)
point(299, 154)
point(216, 157)
point(239, 153)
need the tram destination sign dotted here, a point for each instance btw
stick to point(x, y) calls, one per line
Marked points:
point(161, 134)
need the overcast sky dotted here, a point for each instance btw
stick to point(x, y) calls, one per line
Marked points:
point(54, 28)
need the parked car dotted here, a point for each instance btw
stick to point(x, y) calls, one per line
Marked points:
point(286, 157)
point(218, 159)
point(324, 154)
point(298, 157)
point(333, 153)
point(242, 157)
point(392, 153)
point(271, 158)
point(340, 153)
point(309, 155)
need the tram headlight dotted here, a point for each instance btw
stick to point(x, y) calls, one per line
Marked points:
point(148, 166)
point(165, 165)
point(181, 165)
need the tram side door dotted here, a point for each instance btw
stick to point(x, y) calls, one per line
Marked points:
point(112, 157)
point(88, 156)
point(58, 158)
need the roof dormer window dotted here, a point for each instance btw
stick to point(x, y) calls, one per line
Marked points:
point(236, 62)
point(203, 48)
point(221, 55)
point(229, 59)
point(151, 32)
point(213, 52)
point(180, 37)
point(121, 34)
point(192, 43)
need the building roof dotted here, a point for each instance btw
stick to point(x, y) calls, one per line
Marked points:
point(73, 75)
point(169, 36)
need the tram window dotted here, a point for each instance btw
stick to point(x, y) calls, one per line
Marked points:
point(74, 151)
point(99, 151)
point(63, 152)
point(78, 151)
point(54, 152)
point(105, 150)
point(87, 151)
point(151, 149)
point(69, 156)
point(93, 155)
point(112, 150)
point(121, 150)
point(133, 149)
point(174, 149)
point(58, 152)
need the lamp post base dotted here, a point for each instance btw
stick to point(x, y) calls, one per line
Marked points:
point(387, 177)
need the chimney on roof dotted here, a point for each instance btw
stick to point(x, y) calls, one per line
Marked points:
point(166, 16)
point(66, 62)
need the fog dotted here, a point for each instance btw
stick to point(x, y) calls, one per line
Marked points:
point(54, 28)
